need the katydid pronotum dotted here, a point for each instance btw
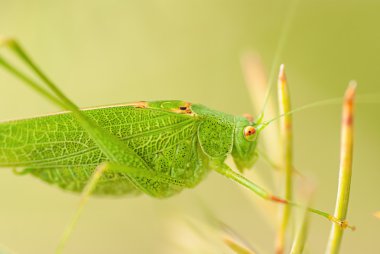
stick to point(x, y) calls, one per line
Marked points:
point(158, 148)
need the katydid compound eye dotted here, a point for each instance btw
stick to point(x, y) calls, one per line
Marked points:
point(249, 133)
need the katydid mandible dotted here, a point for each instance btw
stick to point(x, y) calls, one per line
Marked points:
point(158, 148)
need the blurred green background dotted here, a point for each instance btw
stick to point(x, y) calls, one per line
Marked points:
point(103, 52)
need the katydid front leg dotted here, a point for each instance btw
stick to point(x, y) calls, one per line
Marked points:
point(225, 170)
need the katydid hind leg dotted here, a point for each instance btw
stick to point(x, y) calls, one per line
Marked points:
point(225, 170)
point(16, 48)
point(117, 152)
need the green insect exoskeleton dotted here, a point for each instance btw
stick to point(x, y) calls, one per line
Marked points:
point(174, 139)
point(158, 148)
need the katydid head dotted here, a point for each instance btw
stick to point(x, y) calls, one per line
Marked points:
point(245, 140)
point(247, 131)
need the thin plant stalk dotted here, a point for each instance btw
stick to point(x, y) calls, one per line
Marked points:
point(257, 86)
point(306, 191)
point(286, 156)
point(301, 235)
point(345, 170)
point(236, 247)
point(85, 195)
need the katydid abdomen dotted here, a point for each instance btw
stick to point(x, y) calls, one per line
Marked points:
point(58, 150)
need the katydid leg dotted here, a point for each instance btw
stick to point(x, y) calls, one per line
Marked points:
point(225, 170)
point(111, 146)
point(116, 151)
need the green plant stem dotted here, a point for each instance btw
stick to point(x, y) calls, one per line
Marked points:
point(345, 170)
point(85, 195)
point(301, 235)
point(286, 156)
point(257, 85)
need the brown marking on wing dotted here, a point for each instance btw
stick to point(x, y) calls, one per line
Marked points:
point(138, 104)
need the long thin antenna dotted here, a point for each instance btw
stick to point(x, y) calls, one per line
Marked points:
point(361, 99)
point(307, 106)
point(280, 46)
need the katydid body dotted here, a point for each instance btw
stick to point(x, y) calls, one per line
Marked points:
point(175, 139)
point(158, 148)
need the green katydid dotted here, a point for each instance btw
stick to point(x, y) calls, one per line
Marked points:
point(158, 148)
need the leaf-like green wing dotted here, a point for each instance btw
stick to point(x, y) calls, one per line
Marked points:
point(56, 148)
